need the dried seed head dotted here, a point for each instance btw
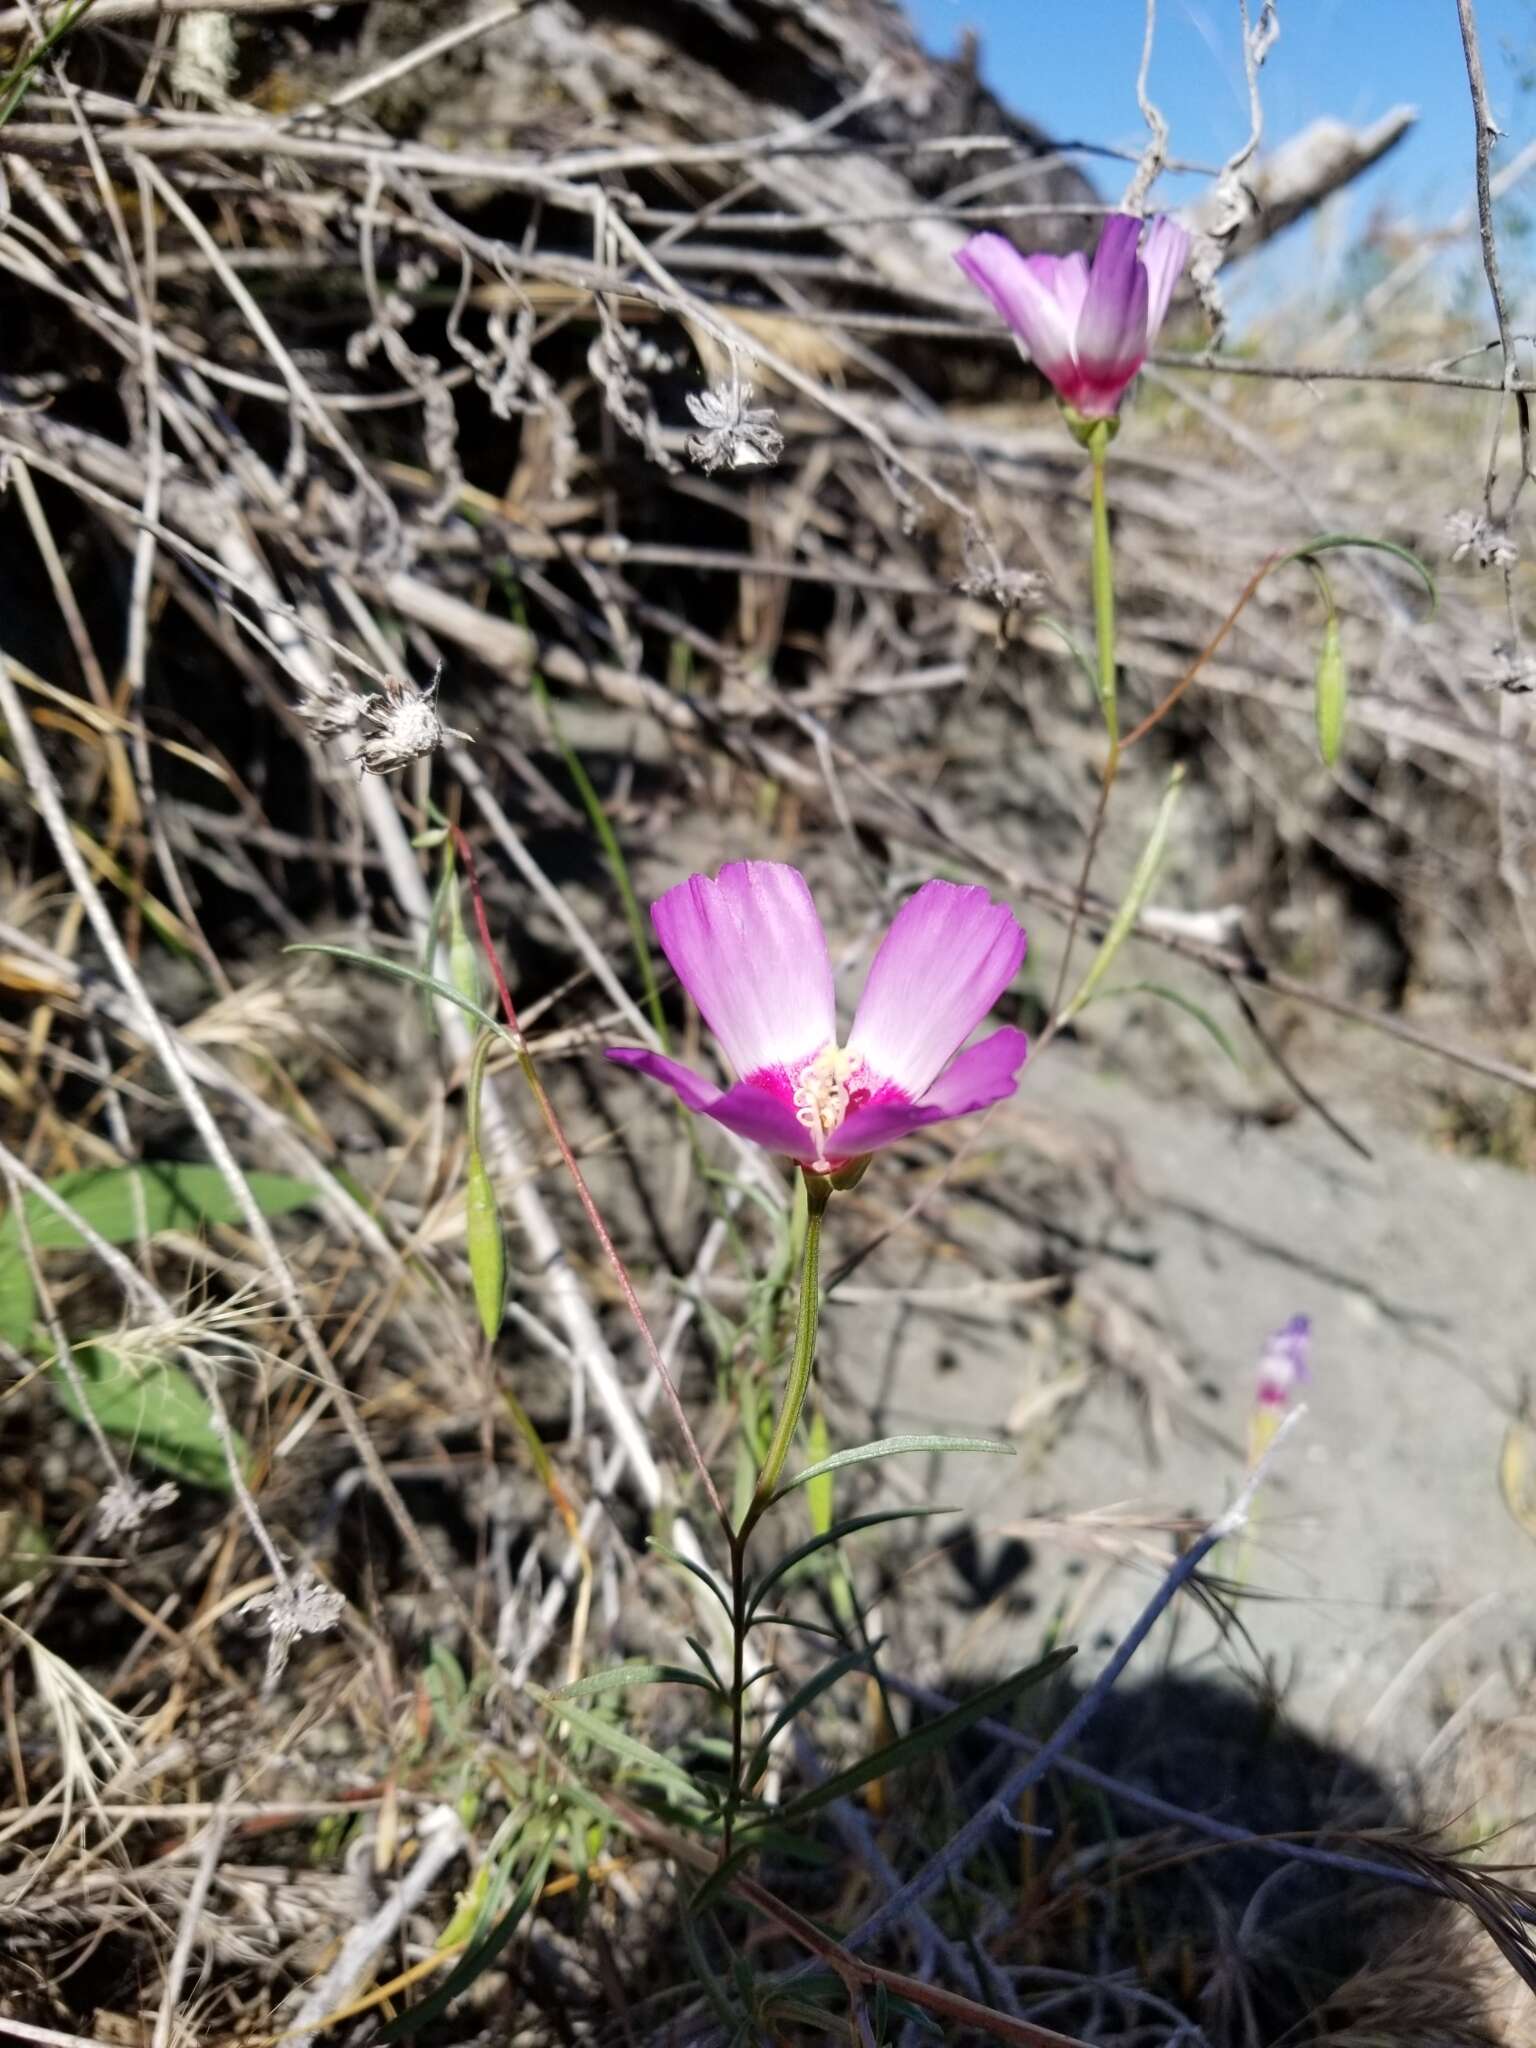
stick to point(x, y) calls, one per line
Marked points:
point(406, 725)
point(124, 1507)
point(1474, 533)
point(303, 1606)
point(735, 432)
point(404, 720)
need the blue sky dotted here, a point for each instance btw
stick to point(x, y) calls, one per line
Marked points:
point(1073, 69)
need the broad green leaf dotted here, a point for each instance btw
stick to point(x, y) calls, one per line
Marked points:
point(1180, 1001)
point(822, 1681)
point(117, 1202)
point(174, 1196)
point(1134, 901)
point(620, 1675)
point(935, 1735)
point(479, 1958)
point(157, 1409)
point(848, 1527)
point(894, 1447)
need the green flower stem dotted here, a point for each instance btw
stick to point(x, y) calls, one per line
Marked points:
point(817, 1194)
point(1098, 442)
point(800, 1365)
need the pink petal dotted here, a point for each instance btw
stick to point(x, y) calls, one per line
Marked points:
point(750, 950)
point(983, 1074)
point(1072, 285)
point(1163, 256)
point(1025, 298)
point(1112, 329)
point(948, 956)
point(754, 1113)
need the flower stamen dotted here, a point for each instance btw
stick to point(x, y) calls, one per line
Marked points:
point(823, 1090)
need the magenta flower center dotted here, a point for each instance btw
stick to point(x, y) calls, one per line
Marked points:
point(826, 1090)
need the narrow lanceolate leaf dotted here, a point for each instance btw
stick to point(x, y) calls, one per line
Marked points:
point(487, 1246)
point(1135, 900)
point(398, 971)
point(808, 1694)
point(1325, 543)
point(849, 1527)
point(687, 1564)
point(629, 1748)
point(1332, 693)
point(620, 1675)
point(924, 1741)
point(893, 1447)
point(158, 1409)
point(1180, 1001)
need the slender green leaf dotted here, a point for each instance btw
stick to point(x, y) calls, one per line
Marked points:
point(706, 1660)
point(399, 971)
point(477, 1961)
point(920, 1742)
point(807, 1695)
point(848, 1527)
point(1180, 1001)
point(893, 1447)
point(1084, 666)
point(158, 1409)
point(705, 1578)
point(447, 1687)
point(608, 1735)
point(718, 1881)
point(714, 1990)
point(620, 1675)
point(1324, 543)
point(1135, 897)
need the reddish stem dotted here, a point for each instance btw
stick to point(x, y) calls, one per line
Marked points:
point(600, 1229)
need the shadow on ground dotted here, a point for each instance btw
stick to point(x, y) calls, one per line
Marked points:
point(1121, 1922)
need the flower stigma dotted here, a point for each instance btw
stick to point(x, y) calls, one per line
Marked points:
point(825, 1091)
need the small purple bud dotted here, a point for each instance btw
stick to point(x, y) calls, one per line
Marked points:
point(1285, 1367)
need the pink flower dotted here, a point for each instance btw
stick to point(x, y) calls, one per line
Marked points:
point(1285, 1367)
point(750, 950)
point(1088, 330)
